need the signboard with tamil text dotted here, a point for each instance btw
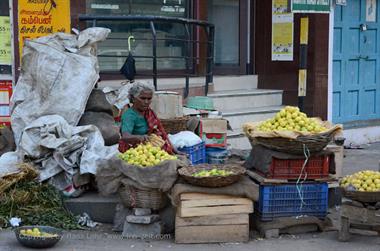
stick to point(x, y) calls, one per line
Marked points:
point(38, 18)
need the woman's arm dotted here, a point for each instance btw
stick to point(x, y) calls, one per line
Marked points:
point(134, 139)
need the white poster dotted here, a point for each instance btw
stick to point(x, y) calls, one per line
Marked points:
point(370, 11)
point(282, 31)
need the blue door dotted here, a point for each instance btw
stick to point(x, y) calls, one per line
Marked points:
point(356, 61)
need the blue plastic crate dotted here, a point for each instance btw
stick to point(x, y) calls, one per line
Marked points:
point(196, 154)
point(285, 200)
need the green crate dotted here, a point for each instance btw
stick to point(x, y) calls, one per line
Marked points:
point(200, 103)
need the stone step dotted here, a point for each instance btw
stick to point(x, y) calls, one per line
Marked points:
point(226, 83)
point(236, 139)
point(220, 83)
point(99, 208)
point(238, 117)
point(225, 101)
point(103, 209)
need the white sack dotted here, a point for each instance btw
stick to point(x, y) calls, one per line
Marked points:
point(58, 74)
point(58, 146)
point(118, 96)
point(8, 163)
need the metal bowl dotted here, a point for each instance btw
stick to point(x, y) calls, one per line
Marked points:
point(38, 242)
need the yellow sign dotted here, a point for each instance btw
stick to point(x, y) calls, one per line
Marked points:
point(282, 31)
point(302, 74)
point(38, 18)
point(283, 34)
point(280, 7)
point(304, 33)
point(5, 41)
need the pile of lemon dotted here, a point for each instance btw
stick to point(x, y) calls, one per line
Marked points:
point(146, 155)
point(35, 232)
point(212, 172)
point(364, 181)
point(291, 119)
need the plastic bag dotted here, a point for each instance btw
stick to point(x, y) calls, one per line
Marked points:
point(184, 139)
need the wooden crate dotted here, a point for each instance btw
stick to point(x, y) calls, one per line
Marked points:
point(207, 218)
point(358, 219)
point(197, 204)
point(338, 158)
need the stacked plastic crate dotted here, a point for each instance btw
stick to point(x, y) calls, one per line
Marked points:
point(292, 186)
point(214, 132)
point(196, 153)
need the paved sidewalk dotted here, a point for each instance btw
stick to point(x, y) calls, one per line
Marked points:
point(361, 159)
point(94, 241)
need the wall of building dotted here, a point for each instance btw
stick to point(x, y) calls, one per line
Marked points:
point(284, 75)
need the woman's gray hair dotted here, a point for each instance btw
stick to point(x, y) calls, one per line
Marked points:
point(139, 87)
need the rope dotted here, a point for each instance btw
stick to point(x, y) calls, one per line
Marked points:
point(299, 183)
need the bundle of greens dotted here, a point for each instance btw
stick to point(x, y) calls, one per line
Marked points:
point(33, 202)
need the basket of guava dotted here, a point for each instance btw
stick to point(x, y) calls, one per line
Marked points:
point(291, 131)
point(363, 186)
point(210, 175)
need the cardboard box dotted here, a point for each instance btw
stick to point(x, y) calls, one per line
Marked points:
point(214, 132)
point(167, 105)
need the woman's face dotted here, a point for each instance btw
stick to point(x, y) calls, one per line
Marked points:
point(143, 101)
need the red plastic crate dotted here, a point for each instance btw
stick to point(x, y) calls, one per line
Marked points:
point(317, 167)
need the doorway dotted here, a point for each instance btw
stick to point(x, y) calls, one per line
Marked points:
point(356, 61)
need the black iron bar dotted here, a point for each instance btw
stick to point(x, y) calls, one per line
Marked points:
point(158, 57)
point(209, 63)
point(145, 18)
point(189, 58)
point(188, 53)
point(154, 34)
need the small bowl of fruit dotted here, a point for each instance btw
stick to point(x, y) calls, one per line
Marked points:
point(212, 175)
point(38, 236)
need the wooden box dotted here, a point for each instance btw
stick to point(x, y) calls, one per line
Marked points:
point(338, 157)
point(167, 105)
point(207, 218)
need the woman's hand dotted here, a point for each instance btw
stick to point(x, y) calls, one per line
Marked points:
point(143, 138)
point(134, 139)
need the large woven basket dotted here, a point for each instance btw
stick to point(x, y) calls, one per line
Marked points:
point(362, 196)
point(313, 143)
point(212, 181)
point(175, 125)
point(134, 197)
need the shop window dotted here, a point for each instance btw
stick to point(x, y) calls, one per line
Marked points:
point(113, 52)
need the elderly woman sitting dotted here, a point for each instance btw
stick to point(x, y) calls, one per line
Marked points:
point(139, 121)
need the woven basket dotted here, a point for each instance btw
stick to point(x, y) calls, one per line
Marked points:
point(362, 196)
point(212, 181)
point(175, 125)
point(134, 197)
point(314, 143)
